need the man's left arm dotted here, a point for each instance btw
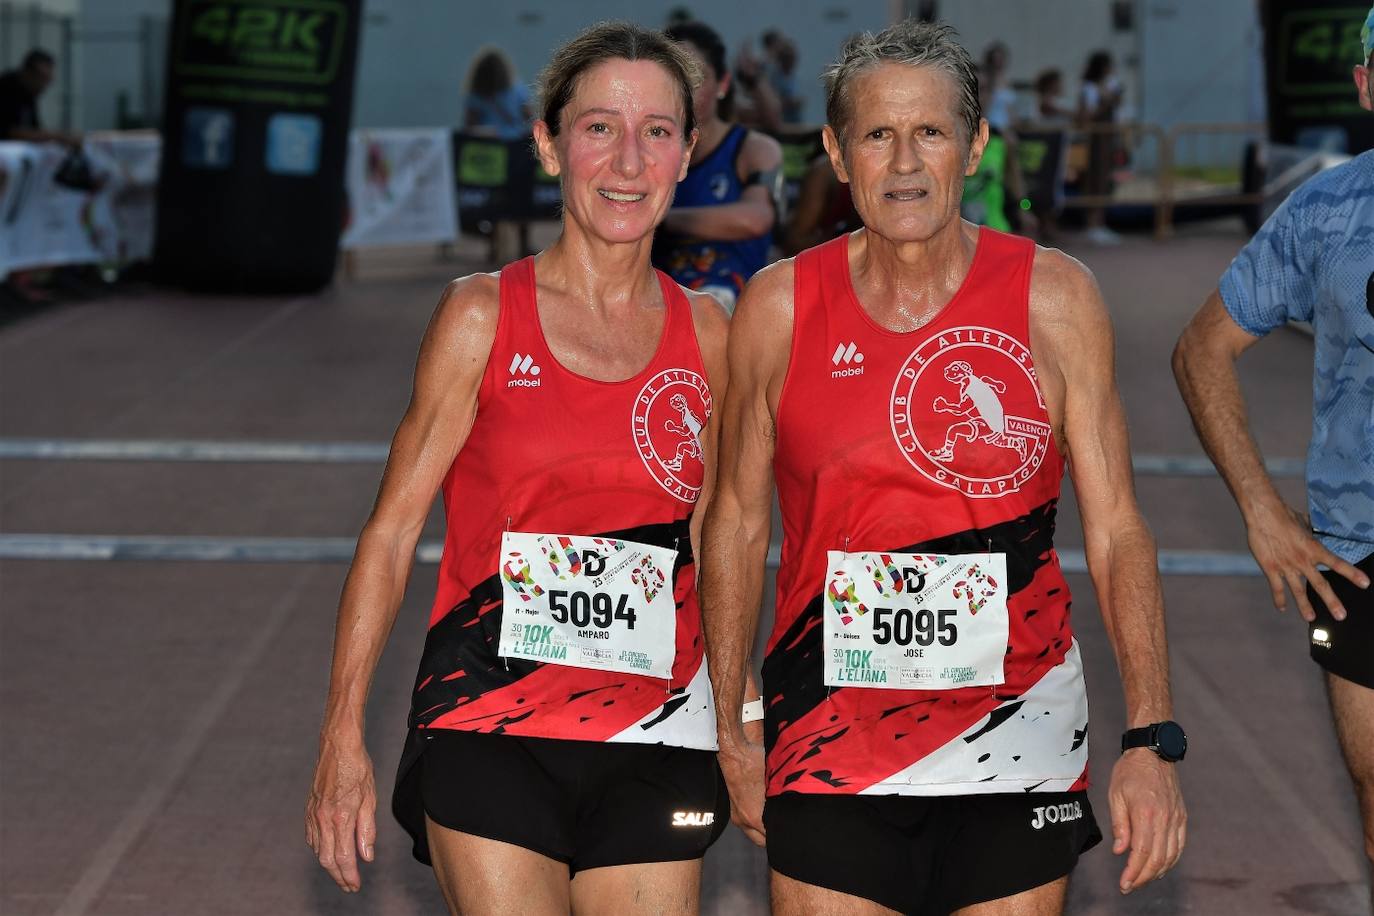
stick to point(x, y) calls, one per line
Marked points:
point(753, 215)
point(1070, 326)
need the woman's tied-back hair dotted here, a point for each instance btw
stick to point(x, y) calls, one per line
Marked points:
point(613, 41)
point(913, 44)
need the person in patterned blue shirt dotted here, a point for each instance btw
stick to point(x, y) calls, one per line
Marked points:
point(1312, 261)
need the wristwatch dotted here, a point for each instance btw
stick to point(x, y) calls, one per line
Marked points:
point(1164, 738)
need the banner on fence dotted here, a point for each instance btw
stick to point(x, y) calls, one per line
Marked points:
point(400, 188)
point(46, 224)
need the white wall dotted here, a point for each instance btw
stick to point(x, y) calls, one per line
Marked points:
point(1188, 60)
point(415, 53)
point(1045, 34)
point(111, 37)
point(1203, 63)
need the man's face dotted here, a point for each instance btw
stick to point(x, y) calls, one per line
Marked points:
point(905, 155)
point(37, 77)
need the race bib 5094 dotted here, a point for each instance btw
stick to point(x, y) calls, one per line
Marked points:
point(588, 602)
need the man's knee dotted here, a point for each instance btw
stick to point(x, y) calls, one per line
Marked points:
point(1352, 705)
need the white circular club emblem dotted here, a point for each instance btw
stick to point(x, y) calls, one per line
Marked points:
point(670, 413)
point(954, 412)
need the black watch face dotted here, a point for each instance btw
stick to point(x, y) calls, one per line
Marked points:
point(1171, 740)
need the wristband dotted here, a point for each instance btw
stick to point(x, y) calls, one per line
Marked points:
point(752, 711)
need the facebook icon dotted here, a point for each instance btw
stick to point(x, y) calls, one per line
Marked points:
point(208, 138)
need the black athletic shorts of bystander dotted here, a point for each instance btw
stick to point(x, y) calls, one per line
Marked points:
point(1345, 648)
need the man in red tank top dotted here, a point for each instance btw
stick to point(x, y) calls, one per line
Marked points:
point(917, 390)
point(560, 750)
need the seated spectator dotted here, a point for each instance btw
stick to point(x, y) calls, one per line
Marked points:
point(19, 92)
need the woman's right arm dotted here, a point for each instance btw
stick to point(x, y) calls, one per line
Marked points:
point(341, 811)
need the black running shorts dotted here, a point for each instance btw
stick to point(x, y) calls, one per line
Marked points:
point(929, 855)
point(1345, 647)
point(588, 804)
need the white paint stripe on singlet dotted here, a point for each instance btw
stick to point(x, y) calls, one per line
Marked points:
point(340, 550)
point(162, 780)
point(1146, 465)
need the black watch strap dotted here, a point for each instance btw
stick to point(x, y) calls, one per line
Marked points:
point(1167, 739)
point(1137, 737)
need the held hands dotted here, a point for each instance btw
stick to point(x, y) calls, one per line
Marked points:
point(1148, 816)
point(742, 763)
point(341, 813)
point(1287, 554)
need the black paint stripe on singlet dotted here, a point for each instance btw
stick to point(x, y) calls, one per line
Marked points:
point(460, 662)
point(793, 667)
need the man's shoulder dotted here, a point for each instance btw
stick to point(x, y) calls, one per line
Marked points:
point(1336, 187)
point(1055, 275)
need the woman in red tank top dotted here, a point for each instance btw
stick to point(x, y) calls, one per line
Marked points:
point(562, 718)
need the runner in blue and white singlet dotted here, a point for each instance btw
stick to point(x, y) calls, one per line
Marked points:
point(720, 228)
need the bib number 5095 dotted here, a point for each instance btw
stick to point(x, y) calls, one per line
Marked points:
point(589, 609)
point(924, 627)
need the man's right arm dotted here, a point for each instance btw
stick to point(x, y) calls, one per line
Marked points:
point(1205, 367)
point(738, 522)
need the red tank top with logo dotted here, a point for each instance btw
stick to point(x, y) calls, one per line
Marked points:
point(935, 441)
point(556, 452)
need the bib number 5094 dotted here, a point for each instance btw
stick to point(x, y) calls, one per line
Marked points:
point(923, 627)
point(589, 609)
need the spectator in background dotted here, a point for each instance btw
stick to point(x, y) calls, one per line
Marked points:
point(993, 193)
point(495, 101)
point(1051, 108)
point(780, 68)
point(497, 104)
point(1098, 102)
point(763, 108)
point(19, 92)
point(997, 97)
point(824, 209)
point(718, 233)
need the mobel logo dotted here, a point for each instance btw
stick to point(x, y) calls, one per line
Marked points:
point(270, 40)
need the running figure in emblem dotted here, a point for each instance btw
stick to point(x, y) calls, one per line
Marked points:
point(980, 404)
point(690, 430)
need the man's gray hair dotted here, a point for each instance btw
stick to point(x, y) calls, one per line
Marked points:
point(914, 44)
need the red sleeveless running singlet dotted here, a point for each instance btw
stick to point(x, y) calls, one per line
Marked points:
point(555, 452)
point(935, 441)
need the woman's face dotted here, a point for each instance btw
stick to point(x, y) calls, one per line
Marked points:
point(621, 149)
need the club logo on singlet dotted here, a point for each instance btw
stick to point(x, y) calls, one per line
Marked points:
point(950, 417)
point(670, 413)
